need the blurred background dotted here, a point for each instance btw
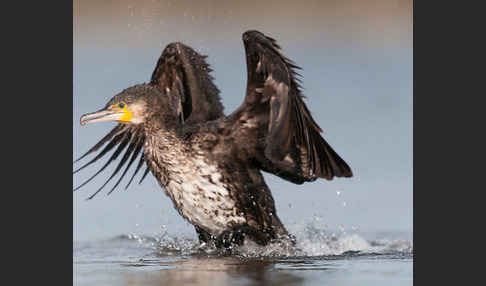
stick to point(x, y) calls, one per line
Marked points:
point(356, 57)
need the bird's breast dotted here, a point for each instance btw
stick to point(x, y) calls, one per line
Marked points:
point(197, 191)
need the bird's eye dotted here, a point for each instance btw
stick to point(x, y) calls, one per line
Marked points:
point(121, 105)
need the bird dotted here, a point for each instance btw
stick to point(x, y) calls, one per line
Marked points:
point(210, 164)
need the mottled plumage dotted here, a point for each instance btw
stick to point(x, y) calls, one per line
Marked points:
point(210, 164)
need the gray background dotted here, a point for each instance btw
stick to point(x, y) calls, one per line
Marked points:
point(357, 75)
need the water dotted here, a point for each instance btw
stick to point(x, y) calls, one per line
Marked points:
point(320, 257)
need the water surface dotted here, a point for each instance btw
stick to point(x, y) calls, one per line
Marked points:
point(320, 258)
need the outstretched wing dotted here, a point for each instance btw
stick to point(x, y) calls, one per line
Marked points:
point(290, 145)
point(180, 73)
point(184, 74)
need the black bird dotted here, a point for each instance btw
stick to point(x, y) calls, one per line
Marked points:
point(210, 164)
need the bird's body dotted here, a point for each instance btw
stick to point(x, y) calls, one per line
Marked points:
point(210, 164)
point(203, 168)
point(194, 182)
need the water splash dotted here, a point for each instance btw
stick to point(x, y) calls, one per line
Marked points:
point(312, 241)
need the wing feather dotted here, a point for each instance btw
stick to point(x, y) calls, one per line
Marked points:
point(293, 147)
point(124, 142)
point(138, 147)
point(184, 74)
point(121, 136)
point(115, 131)
point(139, 165)
point(108, 147)
point(144, 174)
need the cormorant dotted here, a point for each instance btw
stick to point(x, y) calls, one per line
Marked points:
point(210, 164)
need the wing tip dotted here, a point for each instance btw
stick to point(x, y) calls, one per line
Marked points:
point(337, 169)
point(254, 35)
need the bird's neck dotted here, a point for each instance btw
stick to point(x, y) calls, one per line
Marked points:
point(164, 149)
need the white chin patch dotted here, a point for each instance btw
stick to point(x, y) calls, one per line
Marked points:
point(136, 120)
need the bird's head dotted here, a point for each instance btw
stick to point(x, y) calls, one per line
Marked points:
point(133, 105)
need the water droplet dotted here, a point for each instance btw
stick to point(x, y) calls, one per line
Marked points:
point(341, 228)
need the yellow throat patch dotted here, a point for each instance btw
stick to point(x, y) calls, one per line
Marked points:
point(127, 114)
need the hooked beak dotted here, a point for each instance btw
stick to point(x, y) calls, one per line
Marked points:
point(100, 116)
